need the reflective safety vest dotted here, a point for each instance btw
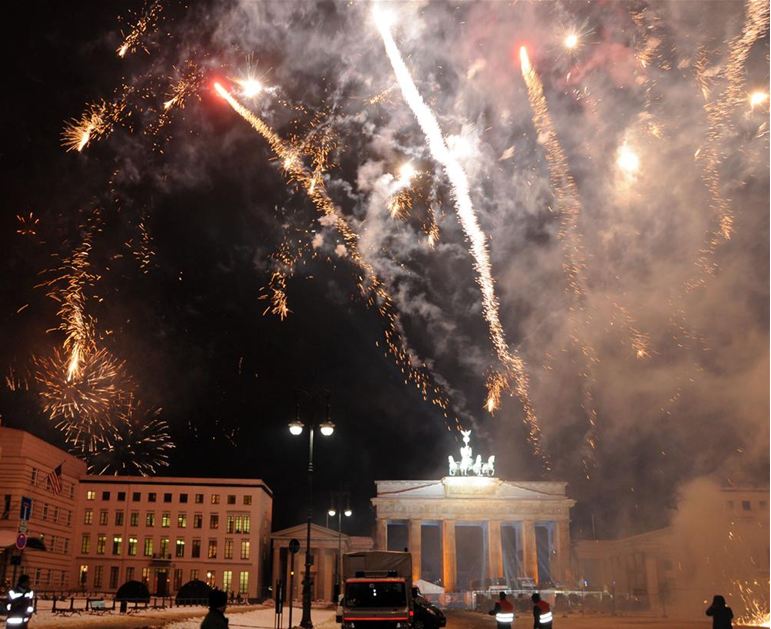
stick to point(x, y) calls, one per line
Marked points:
point(545, 617)
point(505, 613)
point(20, 607)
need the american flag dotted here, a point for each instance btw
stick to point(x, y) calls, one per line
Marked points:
point(54, 479)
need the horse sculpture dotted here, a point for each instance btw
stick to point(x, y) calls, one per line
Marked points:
point(454, 466)
point(488, 469)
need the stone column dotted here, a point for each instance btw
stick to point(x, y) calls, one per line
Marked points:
point(562, 546)
point(381, 535)
point(652, 582)
point(449, 569)
point(415, 527)
point(494, 550)
point(529, 551)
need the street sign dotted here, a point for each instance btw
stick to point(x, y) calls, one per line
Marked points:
point(294, 546)
point(26, 508)
point(23, 526)
point(21, 541)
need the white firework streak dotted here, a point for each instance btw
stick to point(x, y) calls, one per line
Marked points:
point(468, 220)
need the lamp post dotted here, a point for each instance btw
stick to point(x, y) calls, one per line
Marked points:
point(326, 428)
point(336, 510)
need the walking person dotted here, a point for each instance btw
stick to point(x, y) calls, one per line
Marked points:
point(542, 617)
point(503, 612)
point(215, 619)
point(720, 612)
point(20, 604)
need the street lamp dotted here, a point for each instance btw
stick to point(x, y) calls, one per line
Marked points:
point(296, 428)
point(347, 512)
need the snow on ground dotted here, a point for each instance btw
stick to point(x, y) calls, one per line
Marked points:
point(264, 618)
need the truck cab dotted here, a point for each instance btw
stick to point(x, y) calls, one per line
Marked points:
point(377, 591)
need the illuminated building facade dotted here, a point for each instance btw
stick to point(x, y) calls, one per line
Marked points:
point(101, 531)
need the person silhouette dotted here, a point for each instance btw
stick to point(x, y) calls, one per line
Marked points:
point(721, 614)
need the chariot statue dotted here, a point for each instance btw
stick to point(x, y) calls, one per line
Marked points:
point(468, 465)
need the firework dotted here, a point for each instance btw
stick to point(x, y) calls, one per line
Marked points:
point(627, 160)
point(570, 41)
point(757, 98)
point(95, 123)
point(136, 442)
point(133, 40)
point(478, 245)
point(369, 282)
point(82, 397)
point(28, 224)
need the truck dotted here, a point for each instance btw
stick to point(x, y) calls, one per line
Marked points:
point(377, 590)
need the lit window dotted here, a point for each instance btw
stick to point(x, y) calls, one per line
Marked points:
point(164, 546)
point(214, 521)
point(90, 495)
point(146, 576)
point(227, 580)
point(148, 546)
point(230, 523)
point(85, 544)
point(101, 542)
point(247, 500)
point(117, 542)
point(182, 520)
point(132, 546)
point(88, 516)
point(212, 552)
point(228, 548)
point(198, 521)
point(180, 548)
point(245, 548)
point(150, 519)
point(215, 499)
point(103, 516)
point(199, 499)
point(165, 520)
point(243, 583)
point(134, 518)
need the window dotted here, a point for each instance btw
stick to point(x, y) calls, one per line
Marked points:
point(194, 574)
point(164, 546)
point(119, 518)
point(106, 495)
point(151, 497)
point(746, 505)
point(211, 576)
point(114, 572)
point(243, 582)
point(121, 496)
point(245, 547)
point(180, 552)
point(247, 500)
point(55, 517)
point(130, 573)
point(103, 516)
point(177, 578)
point(45, 511)
point(198, 520)
point(230, 523)
point(117, 542)
point(228, 548)
point(90, 495)
point(243, 523)
point(85, 543)
point(136, 496)
point(195, 553)
point(231, 499)
point(227, 580)
point(83, 574)
point(165, 520)
point(215, 499)
point(132, 546)
point(98, 571)
point(134, 518)
point(182, 520)
point(146, 576)
point(150, 519)
point(212, 552)
point(101, 542)
point(33, 478)
point(214, 521)
point(183, 498)
point(148, 546)
point(69, 518)
point(166, 497)
point(66, 546)
point(88, 516)
point(199, 499)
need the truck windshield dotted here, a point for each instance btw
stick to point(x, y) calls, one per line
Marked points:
point(375, 594)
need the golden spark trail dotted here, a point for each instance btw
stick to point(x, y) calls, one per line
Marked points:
point(132, 41)
point(370, 283)
point(512, 362)
point(96, 122)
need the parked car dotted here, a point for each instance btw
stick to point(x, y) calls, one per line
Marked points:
point(427, 615)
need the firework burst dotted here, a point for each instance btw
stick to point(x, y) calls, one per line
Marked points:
point(96, 122)
point(133, 40)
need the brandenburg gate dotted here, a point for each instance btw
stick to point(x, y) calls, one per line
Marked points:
point(471, 527)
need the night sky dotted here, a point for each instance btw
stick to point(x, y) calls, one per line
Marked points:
point(216, 206)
